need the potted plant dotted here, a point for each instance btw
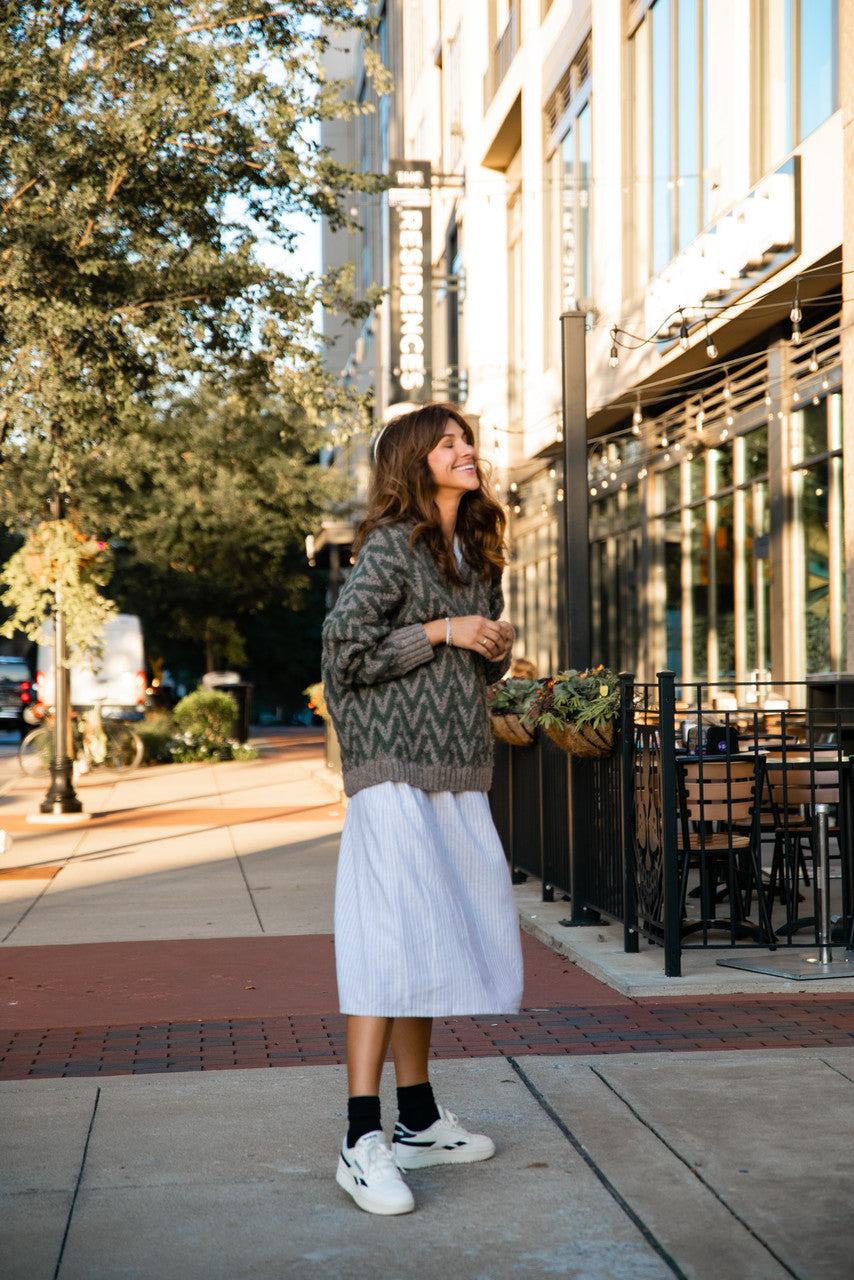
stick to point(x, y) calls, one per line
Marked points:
point(577, 709)
point(58, 567)
point(509, 702)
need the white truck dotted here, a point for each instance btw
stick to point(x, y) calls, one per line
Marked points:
point(117, 682)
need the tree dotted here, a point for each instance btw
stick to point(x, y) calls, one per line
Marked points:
point(146, 152)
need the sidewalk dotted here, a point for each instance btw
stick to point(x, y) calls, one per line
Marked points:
point(172, 1093)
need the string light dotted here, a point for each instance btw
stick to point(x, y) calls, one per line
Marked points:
point(701, 417)
point(796, 315)
point(711, 349)
point(683, 331)
point(637, 418)
point(813, 365)
point(614, 358)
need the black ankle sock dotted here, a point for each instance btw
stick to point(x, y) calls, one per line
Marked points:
point(363, 1116)
point(417, 1105)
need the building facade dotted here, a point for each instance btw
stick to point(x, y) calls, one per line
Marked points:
point(681, 171)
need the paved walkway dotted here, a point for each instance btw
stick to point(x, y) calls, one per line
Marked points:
point(183, 935)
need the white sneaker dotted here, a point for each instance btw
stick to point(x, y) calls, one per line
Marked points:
point(445, 1142)
point(369, 1174)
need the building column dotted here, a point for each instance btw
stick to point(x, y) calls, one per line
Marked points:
point(846, 103)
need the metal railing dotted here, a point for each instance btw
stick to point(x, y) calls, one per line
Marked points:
point(612, 834)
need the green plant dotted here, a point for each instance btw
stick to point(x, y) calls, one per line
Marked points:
point(513, 696)
point(204, 717)
point(157, 731)
point(576, 698)
point(58, 567)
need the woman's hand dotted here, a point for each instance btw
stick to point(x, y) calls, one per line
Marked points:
point(492, 640)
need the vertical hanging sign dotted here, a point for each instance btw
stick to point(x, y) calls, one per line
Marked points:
point(410, 280)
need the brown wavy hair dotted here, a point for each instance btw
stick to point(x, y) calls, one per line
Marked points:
point(403, 489)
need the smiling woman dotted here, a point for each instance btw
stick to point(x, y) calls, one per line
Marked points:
point(425, 923)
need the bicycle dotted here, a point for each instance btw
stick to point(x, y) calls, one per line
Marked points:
point(95, 744)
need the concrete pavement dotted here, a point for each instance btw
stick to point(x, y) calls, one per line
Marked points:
point(186, 928)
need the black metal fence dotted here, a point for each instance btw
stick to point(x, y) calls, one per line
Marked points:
point(620, 838)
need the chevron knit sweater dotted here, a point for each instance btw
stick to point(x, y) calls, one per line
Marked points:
point(404, 711)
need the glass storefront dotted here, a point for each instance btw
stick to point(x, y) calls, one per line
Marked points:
point(719, 556)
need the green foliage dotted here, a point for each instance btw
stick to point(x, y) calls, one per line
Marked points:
point(150, 156)
point(157, 731)
point(512, 695)
point(204, 721)
point(58, 564)
point(576, 697)
point(205, 716)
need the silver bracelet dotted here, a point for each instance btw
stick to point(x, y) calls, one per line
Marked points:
point(449, 639)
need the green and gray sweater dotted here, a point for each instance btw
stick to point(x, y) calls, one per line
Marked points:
point(404, 711)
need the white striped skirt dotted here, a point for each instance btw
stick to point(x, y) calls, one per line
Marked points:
point(425, 919)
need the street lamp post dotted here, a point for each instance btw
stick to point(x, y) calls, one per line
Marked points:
point(61, 798)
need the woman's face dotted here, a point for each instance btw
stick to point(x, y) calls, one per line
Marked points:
point(453, 462)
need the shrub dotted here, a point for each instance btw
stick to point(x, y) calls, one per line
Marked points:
point(204, 717)
point(157, 731)
point(204, 720)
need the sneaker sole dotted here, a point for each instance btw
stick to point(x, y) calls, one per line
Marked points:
point(407, 1159)
point(365, 1200)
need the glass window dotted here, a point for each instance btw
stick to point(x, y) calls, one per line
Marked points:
point(697, 476)
point(673, 595)
point(698, 541)
point(818, 63)
point(757, 648)
point(669, 133)
point(689, 181)
point(632, 503)
point(755, 445)
point(721, 464)
point(816, 561)
point(662, 121)
point(802, 52)
point(818, 579)
point(576, 255)
point(809, 431)
point(672, 488)
point(583, 180)
point(724, 588)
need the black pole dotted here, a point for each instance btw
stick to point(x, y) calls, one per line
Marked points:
point(574, 549)
point(574, 597)
point(61, 798)
point(669, 835)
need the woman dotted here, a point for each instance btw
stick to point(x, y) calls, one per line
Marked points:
point(425, 923)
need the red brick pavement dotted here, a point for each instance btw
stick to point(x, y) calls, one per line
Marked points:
point(136, 1008)
point(133, 1008)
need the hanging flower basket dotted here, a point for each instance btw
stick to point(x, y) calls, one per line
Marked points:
point(584, 740)
point(509, 728)
point(577, 709)
point(509, 702)
point(58, 567)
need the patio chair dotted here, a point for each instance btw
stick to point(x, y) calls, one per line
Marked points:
point(795, 787)
point(719, 838)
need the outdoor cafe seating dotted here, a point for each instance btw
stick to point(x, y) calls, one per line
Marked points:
point(699, 829)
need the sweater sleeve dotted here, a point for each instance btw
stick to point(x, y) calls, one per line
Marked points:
point(495, 670)
point(361, 636)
